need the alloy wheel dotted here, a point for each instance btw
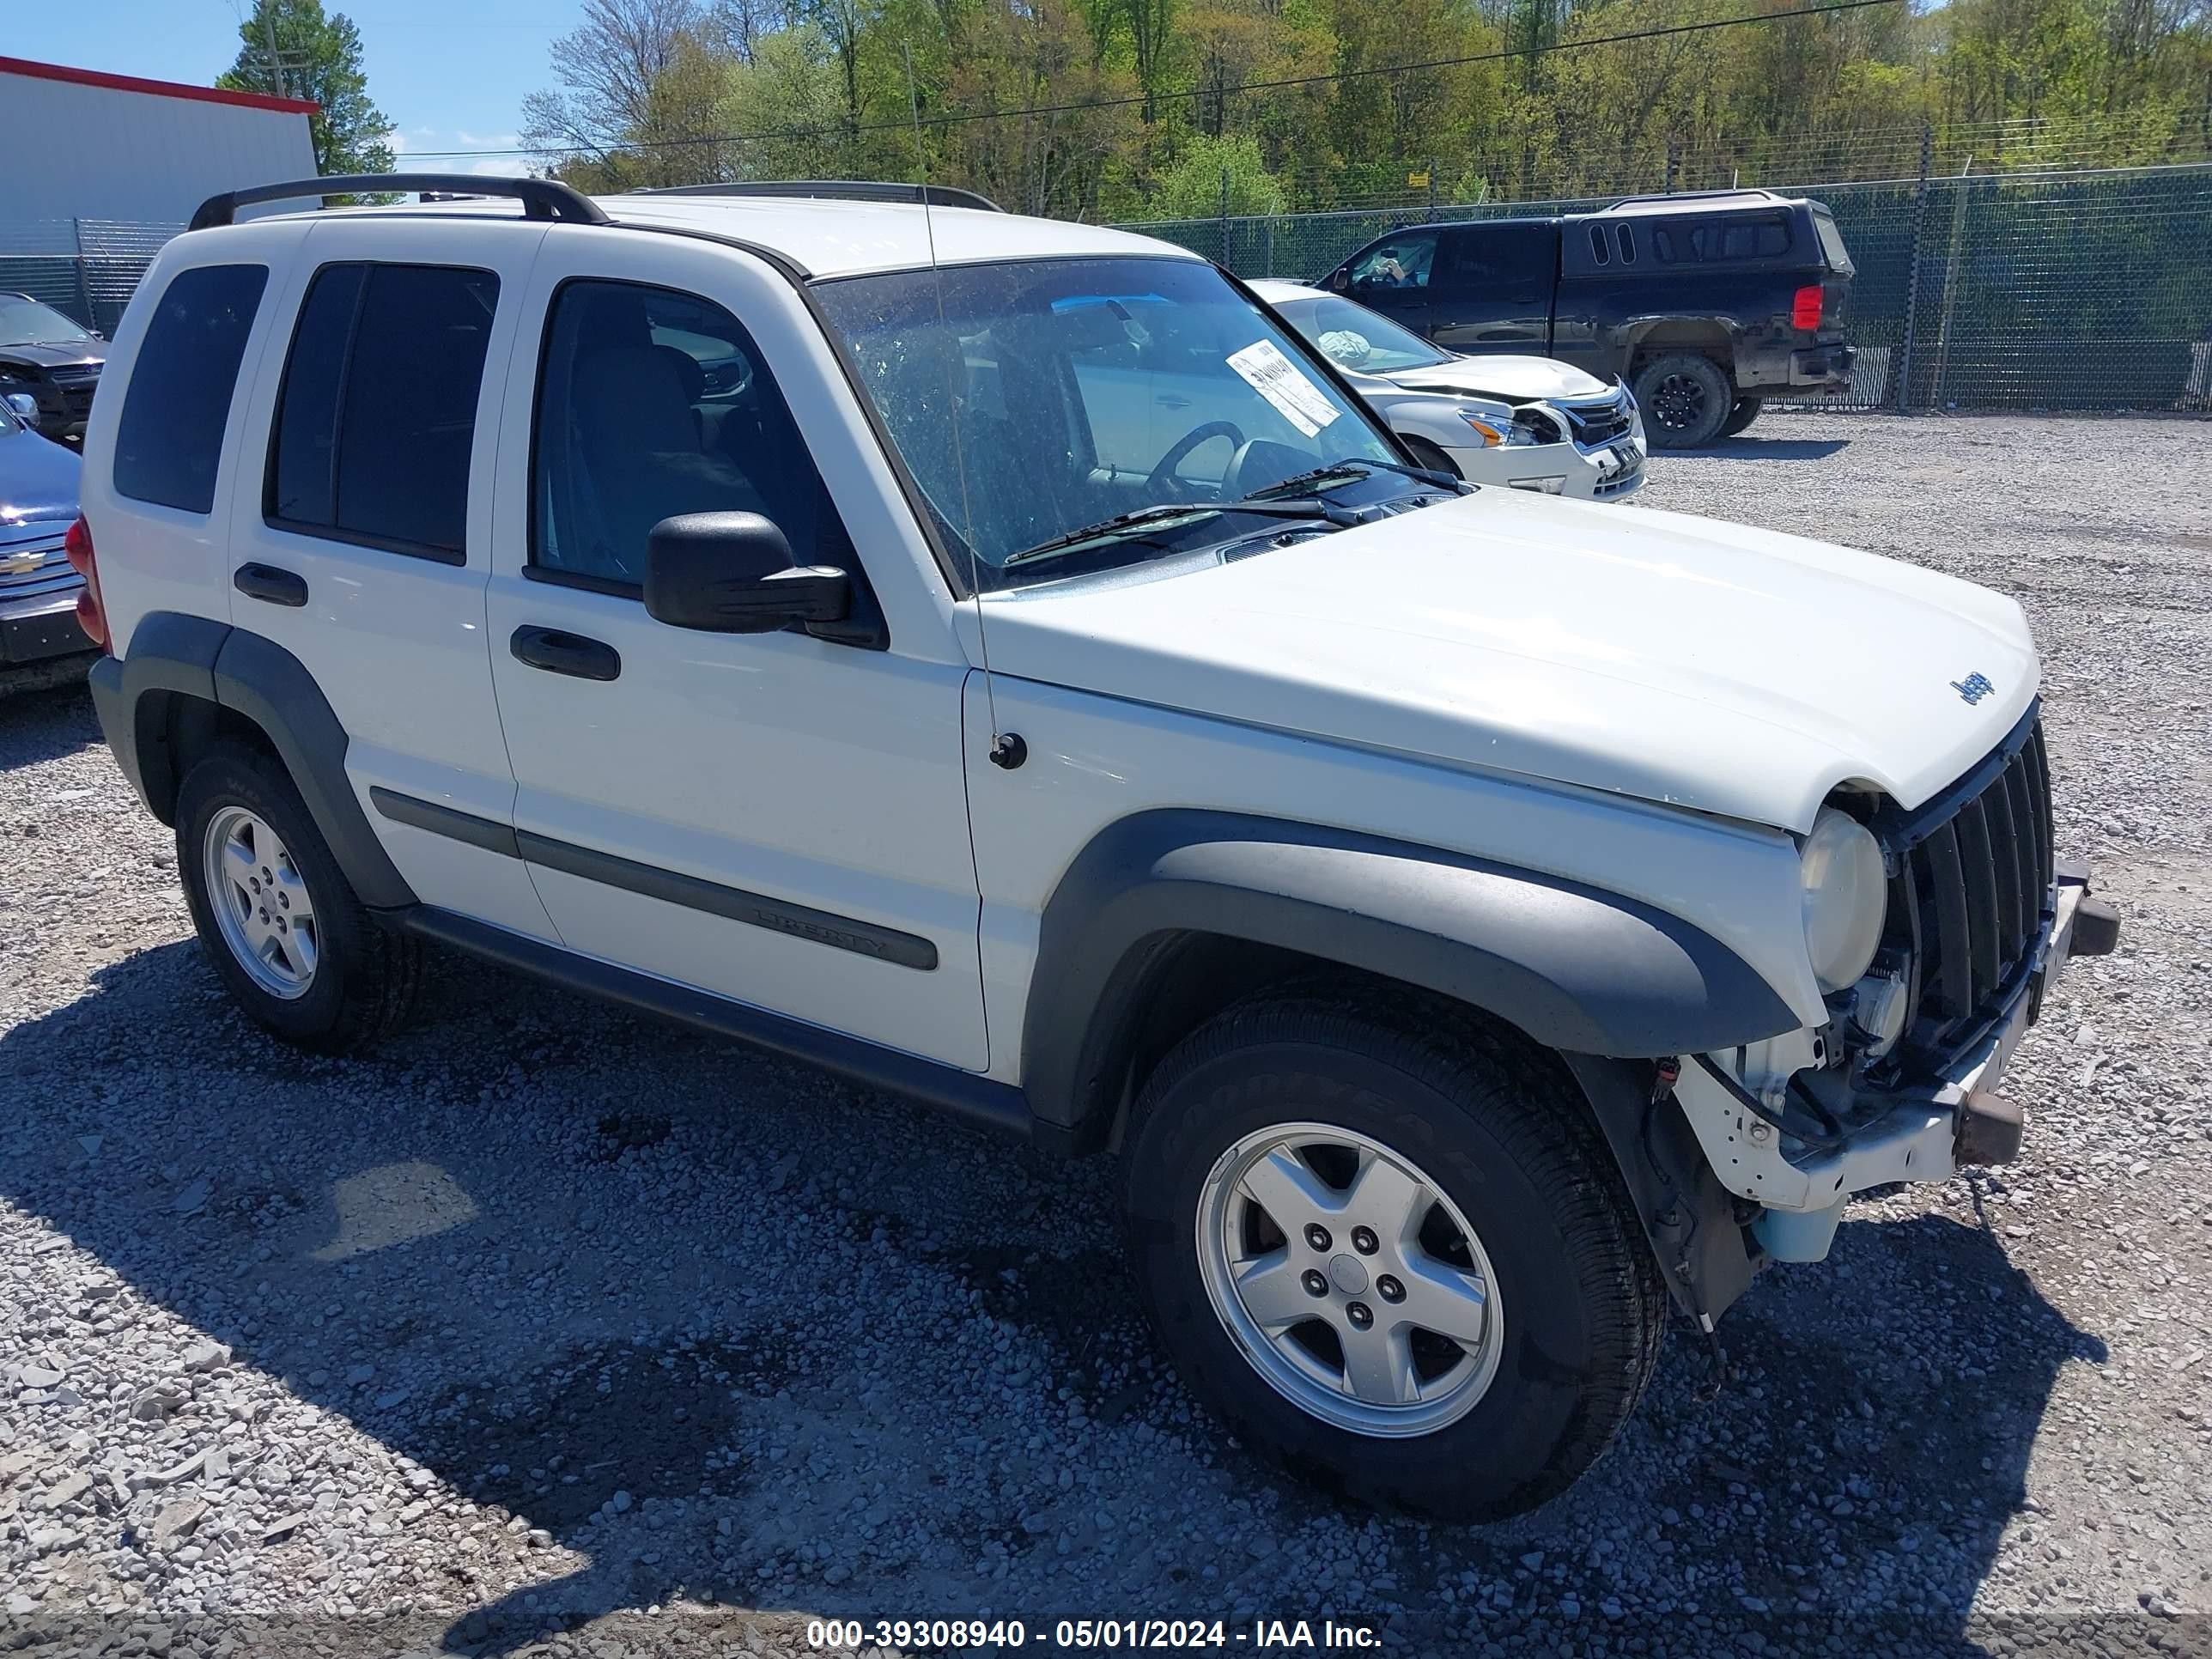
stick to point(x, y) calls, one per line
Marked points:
point(1355, 1287)
point(1678, 402)
point(261, 904)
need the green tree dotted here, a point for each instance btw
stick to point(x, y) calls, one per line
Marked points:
point(292, 48)
point(1207, 169)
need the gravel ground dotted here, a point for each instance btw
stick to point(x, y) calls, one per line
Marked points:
point(548, 1331)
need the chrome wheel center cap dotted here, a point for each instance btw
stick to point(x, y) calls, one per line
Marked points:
point(1347, 1275)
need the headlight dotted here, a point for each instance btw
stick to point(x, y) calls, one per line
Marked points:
point(1507, 434)
point(1846, 894)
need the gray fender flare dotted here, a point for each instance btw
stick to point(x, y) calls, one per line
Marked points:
point(1578, 970)
point(176, 655)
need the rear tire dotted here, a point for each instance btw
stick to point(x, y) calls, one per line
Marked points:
point(287, 934)
point(1685, 397)
point(1490, 1140)
point(1745, 412)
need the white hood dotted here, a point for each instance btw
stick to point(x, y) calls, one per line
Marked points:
point(1512, 379)
point(1671, 658)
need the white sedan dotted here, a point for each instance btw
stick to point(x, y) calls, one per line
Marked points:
point(1527, 422)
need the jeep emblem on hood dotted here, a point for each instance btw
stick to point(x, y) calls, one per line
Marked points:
point(1973, 688)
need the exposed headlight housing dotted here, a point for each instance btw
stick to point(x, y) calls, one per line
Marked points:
point(1515, 432)
point(1846, 896)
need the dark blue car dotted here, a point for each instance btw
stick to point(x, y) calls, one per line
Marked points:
point(38, 586)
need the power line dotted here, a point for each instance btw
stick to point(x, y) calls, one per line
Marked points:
point(957, 118)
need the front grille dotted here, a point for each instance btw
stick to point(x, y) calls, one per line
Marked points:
point(1598, 424)
point(1626, 479)
point(31, 561)
point(1971, 895)
point(74, 373)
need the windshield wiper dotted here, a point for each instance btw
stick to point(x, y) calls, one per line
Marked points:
point(1346, 469)
point(1138, 518)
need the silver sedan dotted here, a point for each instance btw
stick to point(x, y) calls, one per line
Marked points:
point(1526, 423)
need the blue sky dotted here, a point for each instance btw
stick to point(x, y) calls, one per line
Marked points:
point(451, 74)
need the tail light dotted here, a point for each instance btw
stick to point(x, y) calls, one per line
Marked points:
point(76, 547)
point(1805, 308)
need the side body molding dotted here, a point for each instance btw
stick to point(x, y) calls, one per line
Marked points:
point(222, 666)
point(1579, 970)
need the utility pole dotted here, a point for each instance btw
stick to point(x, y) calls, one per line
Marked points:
point(276, 62)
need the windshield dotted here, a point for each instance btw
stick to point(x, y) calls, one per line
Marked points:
point(25, 322)
point(1087, 389)
point(1356, 338)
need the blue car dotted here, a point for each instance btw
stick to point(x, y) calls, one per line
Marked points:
point(37, 586)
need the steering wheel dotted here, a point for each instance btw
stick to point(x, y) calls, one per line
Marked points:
point(1163, 469)
point(1260, 463)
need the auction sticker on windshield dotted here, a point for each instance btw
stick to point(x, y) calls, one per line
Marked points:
point(1281, 382)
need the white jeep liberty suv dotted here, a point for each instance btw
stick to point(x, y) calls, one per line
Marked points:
point(1475, 920)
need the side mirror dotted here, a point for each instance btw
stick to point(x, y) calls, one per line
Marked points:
point(1341, 280)
point(731, 573)
point(24, 407)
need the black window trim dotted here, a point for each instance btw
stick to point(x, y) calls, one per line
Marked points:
point(332, 532)
point(230, 407)
point(614, 587)
point(867, 608)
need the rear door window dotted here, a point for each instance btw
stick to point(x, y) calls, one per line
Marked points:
point(377, 413)
point(168, 444)
point(1501, 262)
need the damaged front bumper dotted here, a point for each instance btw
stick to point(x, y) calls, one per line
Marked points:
point(1928, 1132)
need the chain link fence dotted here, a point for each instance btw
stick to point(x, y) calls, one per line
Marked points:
point(87, 269)
point(2083, 290)
point(2064, 291)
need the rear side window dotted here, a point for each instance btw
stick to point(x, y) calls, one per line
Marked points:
point(1832, 242)
point(1717, 241)
point(169, 441)
point(377, 413)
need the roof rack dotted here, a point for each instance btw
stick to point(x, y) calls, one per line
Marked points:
point(541, 198)
point(839, 189)
point(1694, 196)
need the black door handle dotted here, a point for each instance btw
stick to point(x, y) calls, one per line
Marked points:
point(266, 581)
point(560, 652)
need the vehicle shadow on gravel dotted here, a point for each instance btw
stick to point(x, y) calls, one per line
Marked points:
point(1778, 449)
point(46, 723)
point(709, 1325)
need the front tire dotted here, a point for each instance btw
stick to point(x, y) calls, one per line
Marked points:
point(284, 928)
point(1686, 400)
point(1390, 1248)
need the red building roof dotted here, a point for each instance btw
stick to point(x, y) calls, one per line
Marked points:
point(155, 89)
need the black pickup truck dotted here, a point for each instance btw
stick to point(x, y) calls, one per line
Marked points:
point(1705, 303)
